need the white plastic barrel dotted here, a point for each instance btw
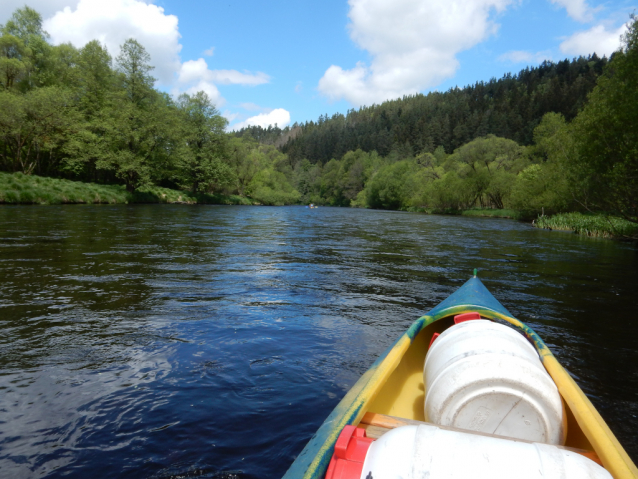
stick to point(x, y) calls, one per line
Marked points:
point(483, 376)
point(425, 451)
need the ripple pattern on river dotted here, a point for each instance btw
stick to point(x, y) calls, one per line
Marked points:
point(201, 341)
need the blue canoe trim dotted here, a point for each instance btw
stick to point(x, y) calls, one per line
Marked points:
point(473, 293)
point(313, 461)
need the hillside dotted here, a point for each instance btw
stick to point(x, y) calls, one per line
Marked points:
point(510, 107)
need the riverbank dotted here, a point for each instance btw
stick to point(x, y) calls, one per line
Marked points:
point(492, 213)
point(17, 188)
point(478, 212)
point(597, 226)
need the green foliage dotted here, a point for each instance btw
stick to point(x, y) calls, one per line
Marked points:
point(547, 186)
point(133, 63)
point(20, 188)
point(70, 112)
point(32, 125)
point(606, 136)
point(199, 161)
point(95, 80)
point(449, 193)
point(492, 213)
point(26, 24)
point(339, 181)
point(509, 107)
point(307, 179)
point(14, 61)
point(489, 167)
point(601, 226)
point(140, 129)
point(391, 187)
point(271, 187)
point(245, 162)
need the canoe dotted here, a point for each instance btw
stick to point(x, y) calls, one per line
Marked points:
point(388, 391)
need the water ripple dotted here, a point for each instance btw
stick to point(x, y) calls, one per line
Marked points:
point(170, 341)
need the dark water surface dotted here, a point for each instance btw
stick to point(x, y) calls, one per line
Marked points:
point(180, 341)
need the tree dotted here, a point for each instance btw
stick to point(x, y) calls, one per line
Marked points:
point(606, 134)
point(13, 64)
point(133, 63)
point(489, 168)
point(391, 188)
point(271, 187)
point(60, 67)
point(200, 166)
point(95, 79)
point(245, 160)
point(307, 180)
point(139, 144)
point(136, 135)
point(26, 24)
point(33, 124)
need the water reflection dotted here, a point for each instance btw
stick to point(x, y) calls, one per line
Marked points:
point(167, 341)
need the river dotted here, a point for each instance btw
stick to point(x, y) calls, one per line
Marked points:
point(169, 341)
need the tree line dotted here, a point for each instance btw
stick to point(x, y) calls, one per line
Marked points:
point(558, 137)
point(77, 113)
point(510, 107)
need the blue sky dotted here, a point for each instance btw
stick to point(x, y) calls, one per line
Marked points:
point(291, 61)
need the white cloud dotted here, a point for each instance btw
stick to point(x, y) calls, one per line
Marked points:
point(198, 70)
point(113, 21)
point(194, 75)
point(210, 52)
point(233, 77)
point(413, 44)
point(597, 39)
point(520, 56)
point(577, 9)
point(277, 116)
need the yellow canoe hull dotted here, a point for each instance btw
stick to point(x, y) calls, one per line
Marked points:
point(393, 386)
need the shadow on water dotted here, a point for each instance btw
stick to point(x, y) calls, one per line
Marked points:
point(202, 341)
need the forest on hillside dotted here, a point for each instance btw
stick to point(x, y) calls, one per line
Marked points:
point(510, 107)
point(553, 138)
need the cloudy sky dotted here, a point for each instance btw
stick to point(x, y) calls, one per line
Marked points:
point(281, 61)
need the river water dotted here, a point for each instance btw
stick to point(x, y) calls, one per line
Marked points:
point(209, 341)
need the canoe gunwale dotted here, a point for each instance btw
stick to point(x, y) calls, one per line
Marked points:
point(313, 461)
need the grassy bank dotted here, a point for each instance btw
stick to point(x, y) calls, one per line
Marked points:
point(483, 212)
point(599, 226)
point(17, 188)
point(493, 213)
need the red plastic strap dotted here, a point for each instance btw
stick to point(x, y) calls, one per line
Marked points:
point(434, 336)
point(460, 318)
point(350, 453)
